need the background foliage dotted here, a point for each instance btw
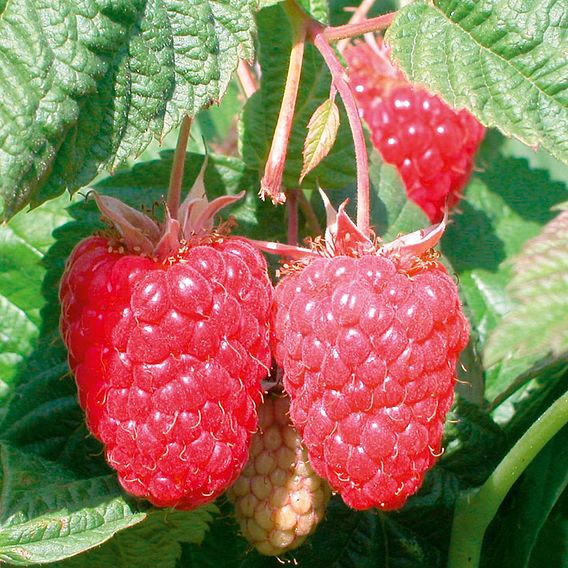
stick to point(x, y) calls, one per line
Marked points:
point(101, 80)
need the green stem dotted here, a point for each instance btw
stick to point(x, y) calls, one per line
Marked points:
point(176, 176)
point(476, 509)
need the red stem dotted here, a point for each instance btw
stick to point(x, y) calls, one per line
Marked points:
point(272, 179)
point(292, 205)
point(176, 176)
point(351, 30)
point(338, 75)
point(309, 214)
point(247, 79)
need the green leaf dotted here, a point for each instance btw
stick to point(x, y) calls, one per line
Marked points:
point(156, 541)
point(529, 505)
point(99, 81)
point(508, 62)
point(317, 9)
point(260, 114)
point(322, 132)
point(23, 242)
point(538, 323)
point(551, 549)
point(47, 515)
point(392, 213)
point(503, 207)
point(474, 444)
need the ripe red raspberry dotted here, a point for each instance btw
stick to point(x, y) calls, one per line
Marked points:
point(431, 144)
point(369, 344)
point(168, 354)
point(278, 498)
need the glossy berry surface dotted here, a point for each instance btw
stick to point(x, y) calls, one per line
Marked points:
point(168, 359)
point(279, 500)
point(369, 354)
point(431, 144)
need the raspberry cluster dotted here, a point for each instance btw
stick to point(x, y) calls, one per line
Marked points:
point(278, 498)
point(431, 144)
point(168, 359)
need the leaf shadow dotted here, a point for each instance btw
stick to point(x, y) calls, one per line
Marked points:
point(470, 240)
point(530, 193)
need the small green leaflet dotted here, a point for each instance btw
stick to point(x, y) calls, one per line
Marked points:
point(100, 80)
point(537, 325)
point(317, 9)
point(322, 132)
point(504, 61)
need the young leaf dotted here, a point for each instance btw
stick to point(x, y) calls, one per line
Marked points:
point(508, 63)
point(260, 113)
point(538, 324)
point(98, 82)
point(322, 132)
point(47, 515)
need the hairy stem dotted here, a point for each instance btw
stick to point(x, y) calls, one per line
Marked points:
point(476, 509)
point(246, 78)
point(352, 30)
point(292, 205)
point(309, 214)
point(339, 79)
point(176, 175)
point(358, 15)
point(272, 178)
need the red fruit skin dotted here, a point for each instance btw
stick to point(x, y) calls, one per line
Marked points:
point(168, 360)
point(431, 144)
point(369, 354)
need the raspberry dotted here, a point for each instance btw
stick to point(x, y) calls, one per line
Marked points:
point(431, 144)
point(368, 344)
point(278, 498)
point(168, 355)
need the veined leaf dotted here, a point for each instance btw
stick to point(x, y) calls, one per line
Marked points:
point(508, 62)
point(322, 131)
point(47, 515)
point(538, 324)
point(156, 541)
point(99, 80)
point(317, 9)
point(503, 206)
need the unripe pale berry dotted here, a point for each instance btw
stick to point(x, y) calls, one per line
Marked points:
point(278, 498)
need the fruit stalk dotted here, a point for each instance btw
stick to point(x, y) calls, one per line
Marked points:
point(292, 204)
point(272, 178)
point(309, 214)
point(339, 75)
point(476, 509)
point(176, 175)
